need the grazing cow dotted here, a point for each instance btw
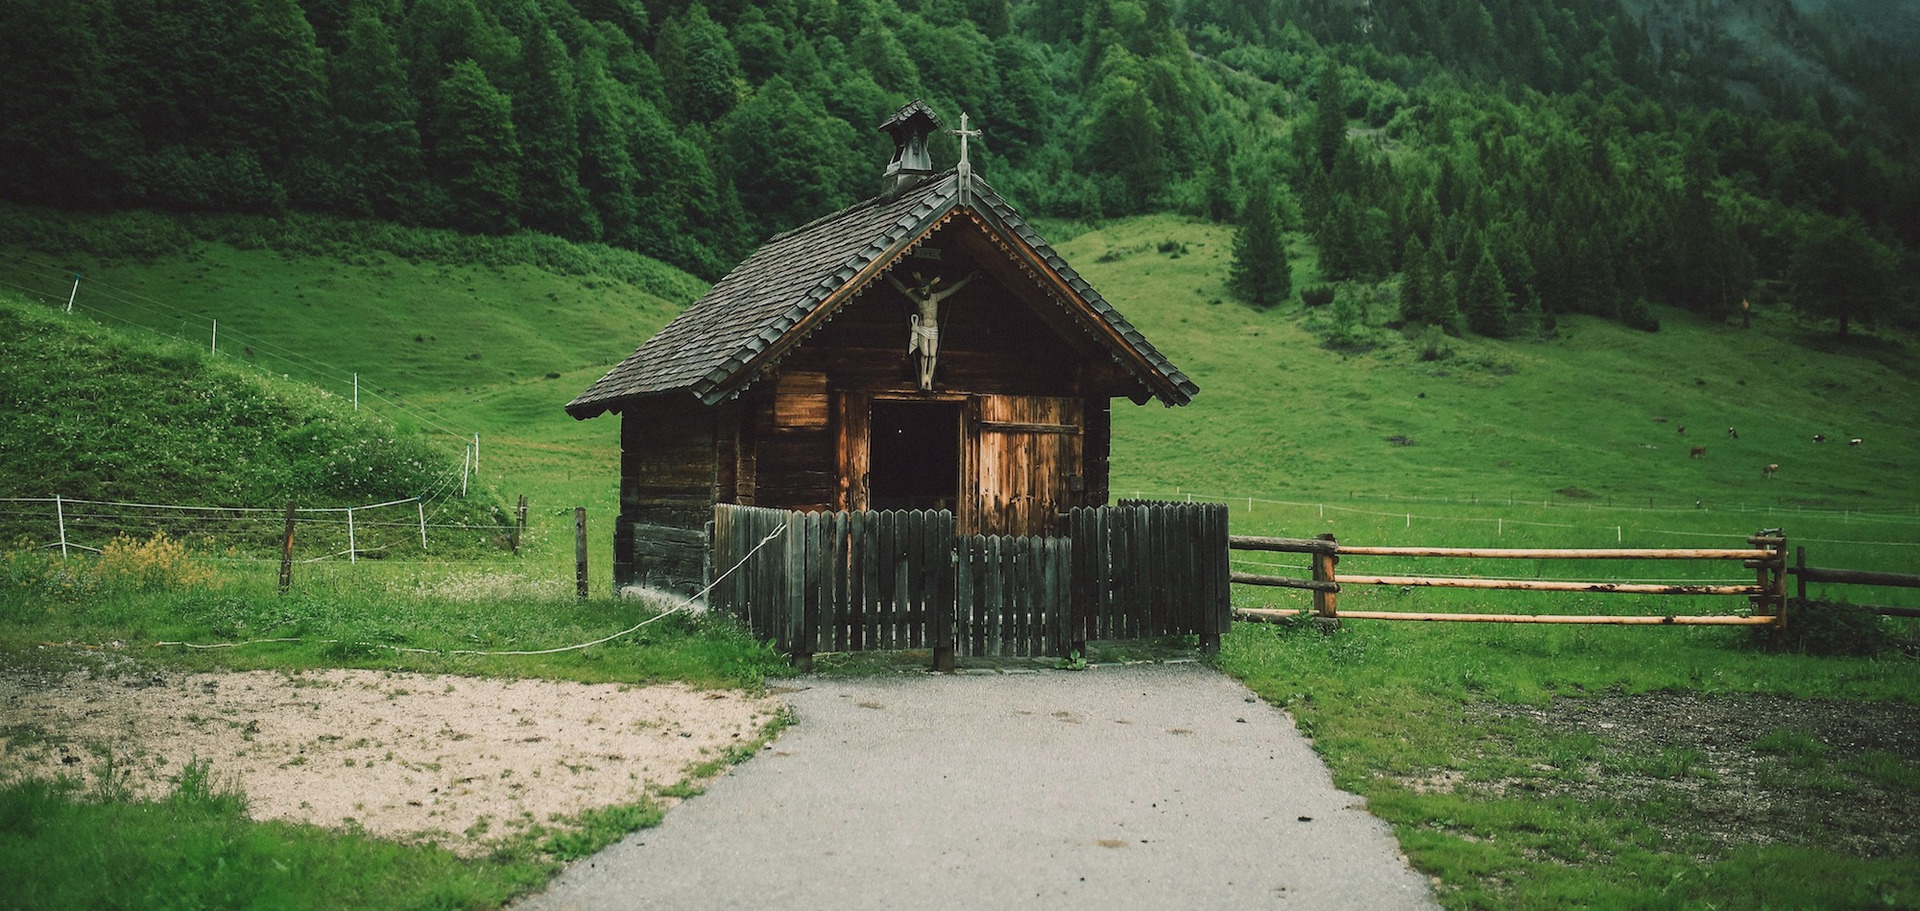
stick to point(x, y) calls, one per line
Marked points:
point(1733, 434)
point(1696, 452)
point(1854, 442)
point(1819, 438)
point(1770, 470)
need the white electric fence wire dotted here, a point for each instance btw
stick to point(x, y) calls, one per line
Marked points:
point(264, 347)
point(683, 605)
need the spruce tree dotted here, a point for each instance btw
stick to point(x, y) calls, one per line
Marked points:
point(1443, 304)
point(1329, 116)
point(475, 152)
point(1416, 292)
point(547, 123)
point(1259, 273)
point(378, 142)
point(1489, 311)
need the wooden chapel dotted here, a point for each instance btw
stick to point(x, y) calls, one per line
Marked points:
point(923, 349)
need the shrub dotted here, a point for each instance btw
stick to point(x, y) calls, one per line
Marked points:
point(1639, 315)
point(1824, 628)
point(159, 563)
point(1432, 344)
point(31, 569)
point(1318, 296)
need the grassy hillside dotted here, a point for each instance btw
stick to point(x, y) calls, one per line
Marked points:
point(96, 414)
point(1591, 415)
point(449, 334)
point(1586, 419)
point(1569, 441)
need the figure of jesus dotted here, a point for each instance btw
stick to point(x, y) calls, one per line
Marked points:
point(924, 339)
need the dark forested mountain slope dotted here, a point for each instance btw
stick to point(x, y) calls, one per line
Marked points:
point(1495, 162)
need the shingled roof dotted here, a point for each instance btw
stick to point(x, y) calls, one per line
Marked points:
point(715, 349)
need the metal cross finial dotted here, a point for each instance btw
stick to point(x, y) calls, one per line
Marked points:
point(966, 167)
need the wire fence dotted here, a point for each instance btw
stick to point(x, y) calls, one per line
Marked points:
point(74, 292)
point(394, 529)
point(1490, 513)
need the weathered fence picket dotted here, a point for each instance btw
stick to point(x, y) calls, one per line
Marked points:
point(850, 581)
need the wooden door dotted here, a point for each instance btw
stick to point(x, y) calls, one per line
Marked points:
point(1026, 464)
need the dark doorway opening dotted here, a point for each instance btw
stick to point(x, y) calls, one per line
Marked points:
point(915, 459)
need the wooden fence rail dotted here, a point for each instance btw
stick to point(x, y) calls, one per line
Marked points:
point(1804, 574)
point(1766, 595)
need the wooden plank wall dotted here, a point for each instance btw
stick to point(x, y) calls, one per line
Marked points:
point(666, 496)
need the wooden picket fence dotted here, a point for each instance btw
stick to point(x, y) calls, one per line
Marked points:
point(853, 581)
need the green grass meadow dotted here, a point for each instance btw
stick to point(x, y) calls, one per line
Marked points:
point(1446, 730)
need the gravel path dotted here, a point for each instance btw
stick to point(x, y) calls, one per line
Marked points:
point(1154, 786)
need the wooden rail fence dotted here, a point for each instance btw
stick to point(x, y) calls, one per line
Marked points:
point(1766, 596)
point(1803, 574)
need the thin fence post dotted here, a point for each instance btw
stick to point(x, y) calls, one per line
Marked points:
point(215, 347)
point(286, 553)
point(476, 453)
point(60, 517)
point(519, 523)
point(356, 390)
point(421, 507)
point(580, 552)
point(353, 547)
point(74, 293)
point(466, 467)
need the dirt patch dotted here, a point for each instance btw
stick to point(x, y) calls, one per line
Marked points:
point(459, 761)
point(1741, 770)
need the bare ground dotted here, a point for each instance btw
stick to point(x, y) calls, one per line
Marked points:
point(458, 761)
point(1741, 770)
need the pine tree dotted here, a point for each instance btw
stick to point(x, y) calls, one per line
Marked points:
point(700, 66)
point(1443, 304)
point(1489, 310)
point(1329, 117)
point(377, 151)
point(1260, 274)
point(1840, 272)
point(1416, 284)
point(547, 123)
point(475, 152)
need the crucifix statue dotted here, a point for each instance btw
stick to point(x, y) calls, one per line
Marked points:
point(926, 295)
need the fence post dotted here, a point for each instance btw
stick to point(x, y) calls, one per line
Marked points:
point(941, 626)
point(519, 523)
point(1325, 602)
point(420, 507)
point(286, 553)
point(793, 594)
point(60, 518)
point(1800, 578)
point(1771, 575)
point(580, 552)
point(353, 547)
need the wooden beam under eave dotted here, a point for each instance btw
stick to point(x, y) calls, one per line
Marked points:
point(1031, 258)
